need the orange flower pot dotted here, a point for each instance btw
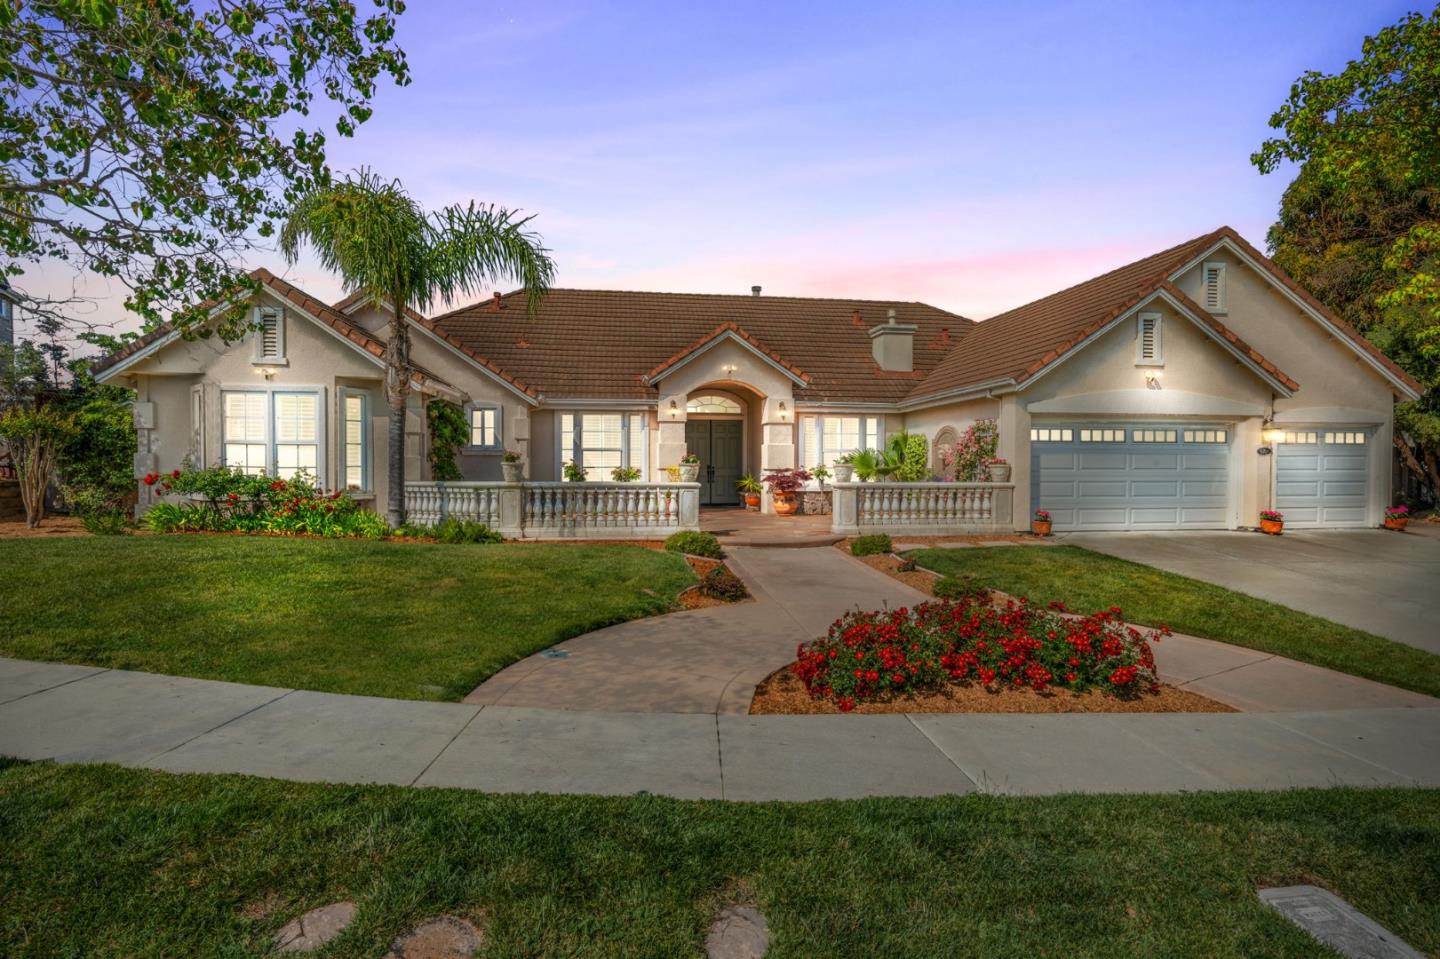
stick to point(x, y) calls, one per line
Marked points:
point(1396, 523)
point(784, 503)
point(752, 500)
point(1272, 526)
point(1040, 527)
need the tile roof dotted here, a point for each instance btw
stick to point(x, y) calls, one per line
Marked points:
point(717, 333)
point(319, 309)
point(602, 343)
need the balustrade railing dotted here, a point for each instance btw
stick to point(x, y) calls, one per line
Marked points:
point(922, 508)
point(550, 510)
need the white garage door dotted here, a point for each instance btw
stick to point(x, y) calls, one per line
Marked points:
point(1322, 476)
point(1126, 476)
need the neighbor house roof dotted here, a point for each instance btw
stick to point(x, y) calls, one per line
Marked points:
point(319, 309)
point(607, 344)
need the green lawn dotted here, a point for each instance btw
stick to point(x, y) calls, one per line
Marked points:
point(1087, 581)
point(108, 862)
point(404, 620)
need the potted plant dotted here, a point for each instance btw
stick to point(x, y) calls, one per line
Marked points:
point(1272, 521)
point(821, 474)
point(784, 484)
point(751, 489)
point(574, 472)
point(690, 468)
point(1040, 523)
point(1396, 517)
point(999, 471)
point(672, 473)
point(867, 463)
point(512, 464)
point(844, 469)
point(625, 474)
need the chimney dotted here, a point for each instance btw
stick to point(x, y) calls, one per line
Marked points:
point(893, 345)
point(495, 305)
point(754, 291)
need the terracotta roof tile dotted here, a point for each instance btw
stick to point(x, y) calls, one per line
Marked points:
point(719, 331)
point(601, 343)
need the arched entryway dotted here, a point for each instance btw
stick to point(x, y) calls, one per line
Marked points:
point(716, 430)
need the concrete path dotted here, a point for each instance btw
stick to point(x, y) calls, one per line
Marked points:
point(80, 714)
point(703, 660)
point(1376, 580)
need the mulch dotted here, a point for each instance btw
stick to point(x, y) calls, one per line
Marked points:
point(782, 693)
point(50, 526)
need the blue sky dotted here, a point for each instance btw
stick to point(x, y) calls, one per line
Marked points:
point(974, 156)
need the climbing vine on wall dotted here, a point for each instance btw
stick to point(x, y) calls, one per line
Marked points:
point(448, 432)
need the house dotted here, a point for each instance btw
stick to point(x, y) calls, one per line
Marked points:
point(1190, 389)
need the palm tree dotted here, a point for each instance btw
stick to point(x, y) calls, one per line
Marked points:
point(384, 244)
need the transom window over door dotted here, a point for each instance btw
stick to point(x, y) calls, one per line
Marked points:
point(712, 403)
point(601, 442)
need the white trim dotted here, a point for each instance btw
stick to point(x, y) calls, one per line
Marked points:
point(367, 455)
point(1156, 323)
point(1180, 308)
point(990, 389)
point(1142, 402)
point(707, 347)
point(260, 314)
point(1226, 243)
point(566, 405)
point(321, 394)
point(496, 447)
point(562, 456)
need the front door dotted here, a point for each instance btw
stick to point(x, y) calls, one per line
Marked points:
point(718, 444)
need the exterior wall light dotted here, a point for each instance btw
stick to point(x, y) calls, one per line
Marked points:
point(674, 410)
point(267, 372)
point(729, 369)
point(1152, 379)
point(783, 413)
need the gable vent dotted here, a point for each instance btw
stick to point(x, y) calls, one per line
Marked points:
point(1213, 275)
point(1147, 345)
point(270, 337)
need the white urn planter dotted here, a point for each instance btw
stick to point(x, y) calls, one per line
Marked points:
point(514, 472)
point(689, 472)
point(844, 472)
point(999, 472)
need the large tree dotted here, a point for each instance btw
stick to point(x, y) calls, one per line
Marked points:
point(1360, 224)
point(151, 141)
point(382, 243)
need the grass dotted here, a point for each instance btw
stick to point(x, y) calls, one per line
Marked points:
point(108, 862)
point(409, 621)
point(1086, 581)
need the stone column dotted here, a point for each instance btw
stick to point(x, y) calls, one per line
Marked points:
point(844, 509)
point(777, 442)
point(519, 439)
point(512, 510)
point(1014, 447)
point(671, 444)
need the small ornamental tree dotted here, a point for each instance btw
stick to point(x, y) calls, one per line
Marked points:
point(975, 450)
point(35, 435)
point(448, 433)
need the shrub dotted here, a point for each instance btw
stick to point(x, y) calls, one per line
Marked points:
point(878, 655)
point(163, 518)
point(907, 564)
point(961, 588)
point(871, 545)
point(232, 501)
point(723, 584)
point(625, 474)
point(99, 510)
point(695, 543)
point(452, 531)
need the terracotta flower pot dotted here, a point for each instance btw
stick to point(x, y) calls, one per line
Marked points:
point(1396, 522)
point(784, 503)
point(752, 500)
point(1040, 527)
point(1272, 526)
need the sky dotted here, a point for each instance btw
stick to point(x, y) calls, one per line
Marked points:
point(970, 155)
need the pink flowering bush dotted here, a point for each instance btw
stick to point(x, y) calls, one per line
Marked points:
point(975, 451)
point(868, 656)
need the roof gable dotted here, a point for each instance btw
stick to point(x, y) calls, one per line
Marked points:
point(721, 334)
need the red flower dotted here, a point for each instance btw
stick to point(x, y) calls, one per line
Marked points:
point(151, 479)
point(174, 474)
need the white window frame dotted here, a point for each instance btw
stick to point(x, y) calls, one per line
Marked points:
point(262, 315)
point(470, 410)
point(319, 392)
point(263, 442)
point(869, 428)
point(343, 463)
point(1156, 324)
point(1345, 438)
point(628, 442)
point(1052, 434)
point(197, 426)
point(1215, 305)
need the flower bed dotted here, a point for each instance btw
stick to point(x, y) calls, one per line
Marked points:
point(222, 500)
point(874, 656)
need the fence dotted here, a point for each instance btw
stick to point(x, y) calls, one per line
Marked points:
point(552, 510)
point(922, 508)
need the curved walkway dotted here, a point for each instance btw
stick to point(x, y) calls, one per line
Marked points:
point(693, 672)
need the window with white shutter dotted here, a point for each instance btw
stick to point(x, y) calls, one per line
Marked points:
point(1147, 340)
point(1213, 279)
point(269, 335)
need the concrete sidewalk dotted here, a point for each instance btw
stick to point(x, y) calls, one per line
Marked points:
point(83, 714)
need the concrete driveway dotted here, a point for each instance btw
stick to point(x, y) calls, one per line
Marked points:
point(1384, 582)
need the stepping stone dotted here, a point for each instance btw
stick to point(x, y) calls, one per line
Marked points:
point(315, 928)
point(739, 932)
point(1336, 923)
point(444, 937)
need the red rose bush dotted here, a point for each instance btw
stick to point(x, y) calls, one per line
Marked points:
point(868, 656)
